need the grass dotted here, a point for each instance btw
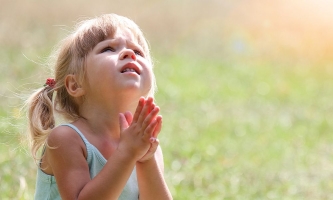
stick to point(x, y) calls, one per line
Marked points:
point(245, 116)
point(247, 132)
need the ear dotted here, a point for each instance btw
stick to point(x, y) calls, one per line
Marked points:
point(73, 87)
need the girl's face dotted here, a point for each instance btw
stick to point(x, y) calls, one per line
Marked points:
point(116, 67)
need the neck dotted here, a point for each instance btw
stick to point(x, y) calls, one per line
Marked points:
point(102, 120)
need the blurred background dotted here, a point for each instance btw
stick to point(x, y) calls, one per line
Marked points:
point(245, 90)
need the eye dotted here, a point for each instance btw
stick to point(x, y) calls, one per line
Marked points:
point(108, 48)
point(137, 52)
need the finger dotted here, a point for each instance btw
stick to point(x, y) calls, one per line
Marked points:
point(138, 109)
point(129, 117)
point(149, 130)
point(151, 108)
point(152, 104)
point(145, 110)
point(158, 127)
point(150, 118)
point(122, 122)
point(152, 139)
point(154, 145)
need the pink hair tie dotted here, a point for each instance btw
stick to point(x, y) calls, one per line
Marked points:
point(50, 82)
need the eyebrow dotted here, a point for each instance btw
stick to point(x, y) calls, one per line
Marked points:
point(104, 42)
point(116, 41)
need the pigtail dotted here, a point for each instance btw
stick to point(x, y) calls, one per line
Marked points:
point(41, 117)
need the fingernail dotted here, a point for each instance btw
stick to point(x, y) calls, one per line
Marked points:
point(152, 140)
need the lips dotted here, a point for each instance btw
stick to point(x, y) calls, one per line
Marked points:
point(130, 67)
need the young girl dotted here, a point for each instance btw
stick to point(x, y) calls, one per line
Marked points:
point(103, 74)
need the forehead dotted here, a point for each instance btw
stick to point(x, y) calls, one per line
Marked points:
point(124, 33)
point(121, 35)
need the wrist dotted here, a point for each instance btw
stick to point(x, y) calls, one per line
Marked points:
point(146, 163)
point(125, 158)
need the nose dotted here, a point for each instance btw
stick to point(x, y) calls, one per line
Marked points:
point(127, 53)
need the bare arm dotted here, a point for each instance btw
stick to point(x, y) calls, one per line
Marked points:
point(151, 180)
point(71, 170)
point(70, 167)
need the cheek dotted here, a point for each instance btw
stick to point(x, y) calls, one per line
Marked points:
point(150, 81)
point(150, 73)
point(146, 67)
point(100, 70)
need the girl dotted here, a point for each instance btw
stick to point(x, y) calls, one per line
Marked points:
point(103, 74)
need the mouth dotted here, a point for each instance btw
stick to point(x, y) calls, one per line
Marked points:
point(130, 68)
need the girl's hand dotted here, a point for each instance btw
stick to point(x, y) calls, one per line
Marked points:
point(136, 131)
point(154, 141)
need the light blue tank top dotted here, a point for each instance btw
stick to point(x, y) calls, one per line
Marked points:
point(47, 189)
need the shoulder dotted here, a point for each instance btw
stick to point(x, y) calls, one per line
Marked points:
point(62, 134)
point(66, 156)
point(64, 137)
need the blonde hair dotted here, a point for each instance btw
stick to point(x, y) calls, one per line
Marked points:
point(70, 59)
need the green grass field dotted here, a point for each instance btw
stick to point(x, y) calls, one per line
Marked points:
point(245, 96)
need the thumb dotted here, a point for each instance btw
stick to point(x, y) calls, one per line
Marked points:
point(129, 117)
point(123, 124)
